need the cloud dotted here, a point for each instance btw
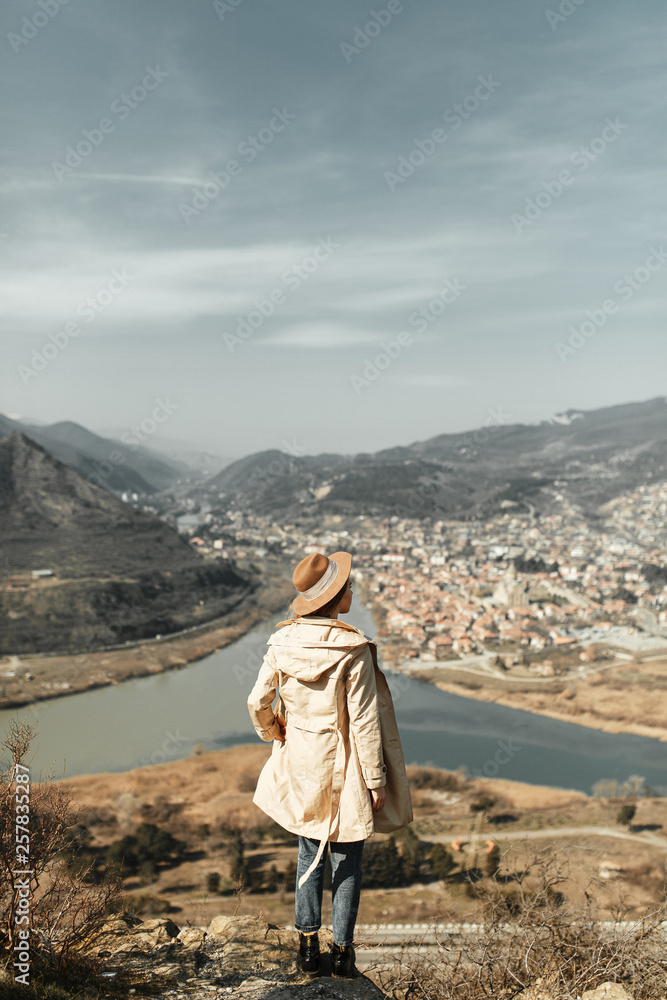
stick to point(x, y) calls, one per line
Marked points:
point(322, 177)
point(140, 178)
point(319, 337)
point(431, 381)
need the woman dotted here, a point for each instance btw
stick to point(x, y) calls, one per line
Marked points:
point(336, 772)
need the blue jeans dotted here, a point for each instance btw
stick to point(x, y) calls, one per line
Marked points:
point(345, 888)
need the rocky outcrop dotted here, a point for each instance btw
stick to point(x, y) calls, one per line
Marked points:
point(241, 956)
point(607, 991)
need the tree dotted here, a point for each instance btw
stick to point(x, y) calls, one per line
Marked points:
point(441, 861)
point(144, 850)
point(147, 872)
point(383, 865)
point(202, 832)
point(412, 852)
point(626, 813)
point(482, 804)
point(272, 879)
point(123, 855)
point(236, 852)
point(289, 877)
point(158, 845)
point(213, 882)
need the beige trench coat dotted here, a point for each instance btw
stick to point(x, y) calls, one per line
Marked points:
point(341, 735)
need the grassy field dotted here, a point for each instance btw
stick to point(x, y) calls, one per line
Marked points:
point(628, 698)
point(206, 801)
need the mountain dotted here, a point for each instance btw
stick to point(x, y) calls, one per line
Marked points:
point(193, 461)
point(110, 464)
point(590, 456)
point(119, 573)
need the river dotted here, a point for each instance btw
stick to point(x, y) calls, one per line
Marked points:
point(163, 717)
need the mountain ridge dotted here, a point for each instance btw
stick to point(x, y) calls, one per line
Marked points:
point(593, 455)
point(108, 463)
point(118, 572)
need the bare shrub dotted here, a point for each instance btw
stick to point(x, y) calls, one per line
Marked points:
point(61, 903)
point(160, 811)
point(432, 779)
point(532, 935)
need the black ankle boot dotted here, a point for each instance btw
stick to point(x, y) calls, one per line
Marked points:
point(308, 959)
point(342, 962)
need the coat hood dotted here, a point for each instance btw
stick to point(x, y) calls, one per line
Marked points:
point(306, 648)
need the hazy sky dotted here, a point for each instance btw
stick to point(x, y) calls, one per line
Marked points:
point(173, 167)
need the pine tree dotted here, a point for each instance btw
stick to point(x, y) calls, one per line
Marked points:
point(441, 861)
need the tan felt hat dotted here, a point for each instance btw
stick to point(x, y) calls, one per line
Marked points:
point(318, 578)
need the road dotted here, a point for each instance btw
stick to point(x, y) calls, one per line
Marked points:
point(648, 837)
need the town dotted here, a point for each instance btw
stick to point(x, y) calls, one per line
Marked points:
point(519, 594)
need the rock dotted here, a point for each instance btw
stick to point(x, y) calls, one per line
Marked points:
point(169, 972)
point(607, 991)
point(540, 990)
point(236, 928)
point(192, 938)
point(125, 933)
point(256, 988)
point(249, 942)
point(536, 992)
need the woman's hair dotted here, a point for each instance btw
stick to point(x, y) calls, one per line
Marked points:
point(325, 612)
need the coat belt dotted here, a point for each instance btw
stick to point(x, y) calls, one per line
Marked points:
point(338, 779)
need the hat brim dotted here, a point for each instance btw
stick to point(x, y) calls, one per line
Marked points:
point(344, 562)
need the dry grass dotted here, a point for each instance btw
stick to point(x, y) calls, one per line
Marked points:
point(619, 700)
point(533, 936)
point(213, 788)
point(216, 788)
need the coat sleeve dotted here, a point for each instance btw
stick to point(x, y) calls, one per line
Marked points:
point(261, 698)
point(362, 705)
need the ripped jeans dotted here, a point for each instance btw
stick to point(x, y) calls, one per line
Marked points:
point(345, 888)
